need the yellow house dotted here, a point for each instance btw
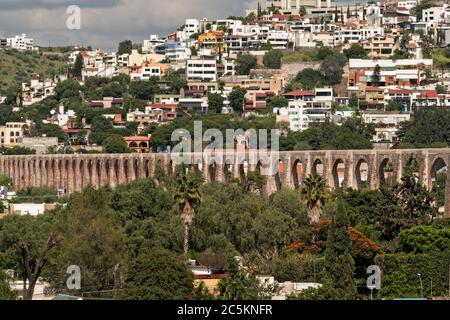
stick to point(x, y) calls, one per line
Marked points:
point(213, 40)
point(12, 132)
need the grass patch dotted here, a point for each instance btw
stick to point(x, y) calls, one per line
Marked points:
point(441, 58)
point(302, 55)
point(16, 67)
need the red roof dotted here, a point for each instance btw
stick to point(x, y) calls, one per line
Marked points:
point(137, 138)
point(399, 91)
point(298, 93)
point(429, 94)
point(373, 89)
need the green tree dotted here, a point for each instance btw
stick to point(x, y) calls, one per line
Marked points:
point(236, 98)
point(239, 287)
point(272, 59)
point(376, 77)
point(51, 130)
point(5, 180)
point(93, 240)
point(332, 68)
point(6, 293)
point(144, 89)
point(125, 47)
point(355, 51)
point(188, 198)
point(215, 102)
point(244, 63)
point(115, 144)
point(159, 275)
point(315, 193)
point(424, 239)
point(302, 11)
point(25, 244)
point(339, 263)
point(278, 102)
point(309, 78)
point(78, 67)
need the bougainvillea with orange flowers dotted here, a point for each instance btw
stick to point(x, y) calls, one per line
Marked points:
point(362, 247)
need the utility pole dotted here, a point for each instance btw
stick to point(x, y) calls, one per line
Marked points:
point(421, 286)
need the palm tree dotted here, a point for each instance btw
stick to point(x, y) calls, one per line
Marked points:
point(315, 192)
point(188, 198)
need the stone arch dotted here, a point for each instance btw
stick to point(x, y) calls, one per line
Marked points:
point(146, 168)
point(212, 171)
point(298, 170)
point(90, 171)
point(136, 169)
point(338, 173)
point(439, 181)
point(170, 168)
point(243, 170)
point(82, 178)
point(126, 170)
point(116, 170)
point(318, 167)
point(228, 171)
point(279, 171)
point(385, 171)
point(362, 173)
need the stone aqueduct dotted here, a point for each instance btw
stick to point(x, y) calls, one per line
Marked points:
point(74, 172)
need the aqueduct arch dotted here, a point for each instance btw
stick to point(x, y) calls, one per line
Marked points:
point(342, 168)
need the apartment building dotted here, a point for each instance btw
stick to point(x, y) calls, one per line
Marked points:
point(21, 42)
point(34, 91)
point(409, 4)
point(149, 45)
point(257, 100)
point(98, 64)
point(306, 107)
point(433, 16)
point(278, 39)
point(387, 121)
point(393, 73)
point(274, 82)
point(149, 69)
point(106, 103)
point(379, 47)
point(295, 5)
point(201, 70)
point(177, 54)
point(214, 40)
point(354, 35)
point(11, 132)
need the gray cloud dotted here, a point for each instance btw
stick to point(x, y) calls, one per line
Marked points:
point(107, 22)
point(52, 4)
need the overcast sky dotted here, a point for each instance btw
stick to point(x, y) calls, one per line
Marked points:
point(107, 22)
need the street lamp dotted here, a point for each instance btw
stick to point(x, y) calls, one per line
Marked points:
point(421, 286)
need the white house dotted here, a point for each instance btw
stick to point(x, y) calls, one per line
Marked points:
point(356, 35)
point(21, 42)
point(201, 70)
point(35, 91)
point(306, 107)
